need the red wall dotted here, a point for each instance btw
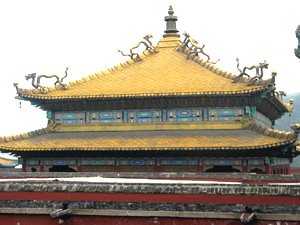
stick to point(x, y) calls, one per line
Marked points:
point(97, 220)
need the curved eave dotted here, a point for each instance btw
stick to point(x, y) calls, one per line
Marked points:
point(226, 148)
point(146, 95)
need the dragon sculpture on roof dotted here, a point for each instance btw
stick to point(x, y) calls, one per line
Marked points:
point(37, 85)
point(258, 68)
point(147, 43)
point(194, 48)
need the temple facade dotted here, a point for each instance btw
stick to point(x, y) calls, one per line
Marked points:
point(168, 109)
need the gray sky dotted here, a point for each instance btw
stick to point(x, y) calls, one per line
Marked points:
point(46, 36)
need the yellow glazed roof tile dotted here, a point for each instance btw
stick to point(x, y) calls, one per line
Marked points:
point(147, 140)
point(165, 73)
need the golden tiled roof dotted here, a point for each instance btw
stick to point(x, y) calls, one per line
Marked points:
point(235, 139)
point(165, 73)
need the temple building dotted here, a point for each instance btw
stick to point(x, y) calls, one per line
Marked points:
point(168, 109)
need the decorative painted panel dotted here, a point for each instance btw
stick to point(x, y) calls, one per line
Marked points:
point(255, 162)
point(151, 115)
point(70, 117)
point(59, 162)
point(144, 116)
point(225, 114)
point(178, 162)
point(184, 115)
point(106, 117)
point(137, 162)
point(97, 161)
point(32, 162)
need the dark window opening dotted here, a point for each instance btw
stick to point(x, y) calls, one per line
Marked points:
point(257, 171)
point(61, 169)
point(222, 169)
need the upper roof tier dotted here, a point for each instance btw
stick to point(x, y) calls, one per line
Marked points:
point(168, 69)
point(167, 72)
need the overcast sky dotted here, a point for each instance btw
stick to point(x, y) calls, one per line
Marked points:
point(46, 36)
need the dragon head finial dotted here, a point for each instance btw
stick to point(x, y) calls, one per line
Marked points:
point(30, 76)
point(264, 65)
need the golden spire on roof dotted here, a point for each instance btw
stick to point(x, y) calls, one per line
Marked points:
point(171, 30)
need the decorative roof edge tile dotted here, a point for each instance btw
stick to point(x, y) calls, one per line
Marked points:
point(288, 138)
point(27, 135)
point(272, 133)
point(278, 144)
point(220, 72)
point(145, 95)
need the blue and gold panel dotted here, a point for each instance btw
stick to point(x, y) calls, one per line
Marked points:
point(72, 122)
point(145, 120)
point(184, 113)
point(178, 162)
point(255, 162)
point(107, 117)
point(109, 121)
point(181, 119)
point(97, 162)
point(32, 162)
point(59, 162)
point(144, 116)
point(222, 162)
point(225, 112)
point(137, 162)
point(70, 117)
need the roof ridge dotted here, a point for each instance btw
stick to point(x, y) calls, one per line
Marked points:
point(209, 65)
point(87, 78)
point(271, 132)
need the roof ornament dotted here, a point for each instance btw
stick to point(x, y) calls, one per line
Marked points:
point(194, 48)
point(38, 85)
point(297, 50)
point(147, 45)
point(296, 127)
point(280, 94)
point(171, 30)
point(258, 68)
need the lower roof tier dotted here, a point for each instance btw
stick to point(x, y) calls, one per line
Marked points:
point(221, 139)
